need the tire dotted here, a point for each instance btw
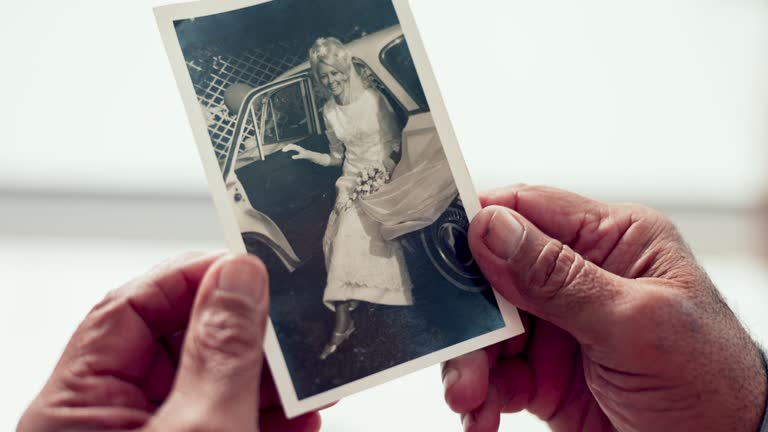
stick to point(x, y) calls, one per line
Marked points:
point(446, 245)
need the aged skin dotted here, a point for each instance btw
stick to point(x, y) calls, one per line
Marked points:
point(126, 368)
point(624, 330)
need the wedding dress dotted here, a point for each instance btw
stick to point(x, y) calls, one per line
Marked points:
point(361, 264)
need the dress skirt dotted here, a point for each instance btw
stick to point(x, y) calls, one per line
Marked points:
point(361, 264)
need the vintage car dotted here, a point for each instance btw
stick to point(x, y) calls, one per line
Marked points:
point(282, 204)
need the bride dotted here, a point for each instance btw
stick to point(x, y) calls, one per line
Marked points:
point(364, 137)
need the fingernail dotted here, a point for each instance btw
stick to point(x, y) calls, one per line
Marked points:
point(241, 277)
point(467, 420)
point(503, 235)
point(450, 378)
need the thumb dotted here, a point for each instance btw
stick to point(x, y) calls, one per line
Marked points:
point(543, 276)
point(220, 367)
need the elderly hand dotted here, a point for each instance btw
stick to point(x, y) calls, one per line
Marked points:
point(126, 367)
point(624, 330)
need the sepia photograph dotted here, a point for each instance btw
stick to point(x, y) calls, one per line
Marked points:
point(319, 128)
point(384, 216)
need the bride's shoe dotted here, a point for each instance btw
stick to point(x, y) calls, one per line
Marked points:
point(336, 340)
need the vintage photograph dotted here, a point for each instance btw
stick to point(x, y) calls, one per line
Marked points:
point(323, 138)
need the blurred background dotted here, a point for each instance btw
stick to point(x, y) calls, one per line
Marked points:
point(662, 102)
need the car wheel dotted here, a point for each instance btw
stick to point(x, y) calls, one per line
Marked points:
point(446, 245)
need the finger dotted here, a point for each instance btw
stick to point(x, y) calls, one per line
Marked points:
point(159, 378)
point(465, 379)
point(516, 345)
point(118, 335)
point(173, 344)
point(274, 420)
point(514, 383)
point(163, 299)
point(84, 418)
point(543, 276)
point(554, 358)
point(115, 347)
point(558, 213)
point(221, 359)
point(486, 417)
point(590, 227)
point(268, 396)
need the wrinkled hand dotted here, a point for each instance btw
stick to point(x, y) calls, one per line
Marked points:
point(624, 330)
point(127, 368)
point(304, 154)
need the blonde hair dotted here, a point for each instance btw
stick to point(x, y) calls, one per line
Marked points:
point(332, 52)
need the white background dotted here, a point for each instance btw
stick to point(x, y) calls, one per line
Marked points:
point(659, 101)
point(594, 95)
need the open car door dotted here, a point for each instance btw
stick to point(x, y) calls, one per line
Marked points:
point(280, 200)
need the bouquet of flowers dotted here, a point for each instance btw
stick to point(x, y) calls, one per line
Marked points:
point(369, 180)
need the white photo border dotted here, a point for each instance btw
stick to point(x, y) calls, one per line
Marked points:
point(165, 16)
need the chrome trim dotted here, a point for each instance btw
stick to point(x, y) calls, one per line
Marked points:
point(241, 119)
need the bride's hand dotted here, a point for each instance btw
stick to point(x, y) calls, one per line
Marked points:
point(389, 165)
point(302, 153)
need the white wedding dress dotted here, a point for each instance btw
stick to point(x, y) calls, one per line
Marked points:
point(361, 264)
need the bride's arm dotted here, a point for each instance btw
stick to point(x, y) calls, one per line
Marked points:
point(323, 159)
point(336, 147)
point(334, 158)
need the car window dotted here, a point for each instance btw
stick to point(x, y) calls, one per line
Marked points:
point(368, 76)
point(396, 57)
point(286, 115)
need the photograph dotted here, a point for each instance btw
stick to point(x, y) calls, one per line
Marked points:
point(323, 155)
point(384, 216)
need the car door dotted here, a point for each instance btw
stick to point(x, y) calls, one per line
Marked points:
point(296, 195)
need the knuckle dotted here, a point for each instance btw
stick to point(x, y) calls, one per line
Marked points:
point(227, 328)
point(661, 239)
point(556, 267)
point(103, 315)
point(656, 221)
point(108, 302)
